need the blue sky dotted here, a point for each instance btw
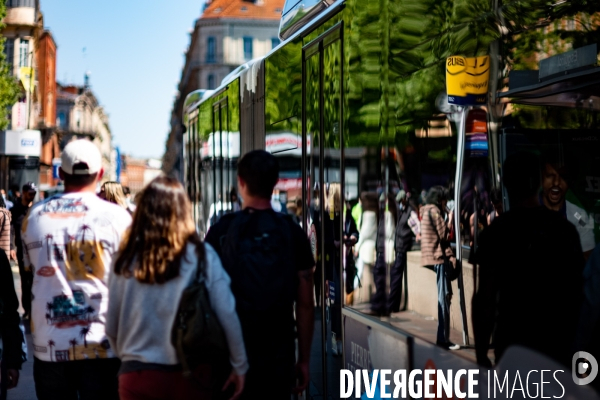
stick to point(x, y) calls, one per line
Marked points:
point(134, 50)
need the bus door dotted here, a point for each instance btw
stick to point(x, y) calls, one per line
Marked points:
point(324, 196)
point(220, 131)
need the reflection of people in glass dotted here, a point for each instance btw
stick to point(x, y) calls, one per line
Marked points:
point(365, 247)
point(385, 256)
point(530, 284)
point(498, 207)
point(408, 228)
point(236, 204)
point(554, 196)
point(333, 209)
point(435, 251)
point(350, 239)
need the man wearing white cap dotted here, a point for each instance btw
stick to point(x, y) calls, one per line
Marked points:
point(68, 242)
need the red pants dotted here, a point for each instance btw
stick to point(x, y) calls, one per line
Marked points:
point(159, 385)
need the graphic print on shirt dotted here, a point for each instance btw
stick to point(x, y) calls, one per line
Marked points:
point(64, 208)
point(70, 240)
point(66, 312)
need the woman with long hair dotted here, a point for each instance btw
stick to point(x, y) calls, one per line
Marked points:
point(113, 193)
point(157, 260)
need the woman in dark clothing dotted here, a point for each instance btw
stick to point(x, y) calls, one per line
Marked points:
point(11, 352)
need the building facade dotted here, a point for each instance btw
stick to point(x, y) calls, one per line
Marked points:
point(23, 28)
point(228, 34)
point(79, 115)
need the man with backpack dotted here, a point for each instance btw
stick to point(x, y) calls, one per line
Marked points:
point(270, 262)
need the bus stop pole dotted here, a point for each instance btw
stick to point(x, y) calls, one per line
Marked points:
point(457, 185)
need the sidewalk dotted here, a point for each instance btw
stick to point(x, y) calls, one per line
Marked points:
point(26, 388)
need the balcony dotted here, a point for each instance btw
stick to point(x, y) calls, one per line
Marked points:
point(21, 12)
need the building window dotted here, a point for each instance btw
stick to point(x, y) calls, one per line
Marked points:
point(24, 53)
point(9, 51)
point(211, 81)
point(211, 50)
point(275, 42)
point(247, 48)
point(61, 120)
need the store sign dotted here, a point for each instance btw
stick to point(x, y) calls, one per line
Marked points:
point(574, 59)
point(21, 143)
point(467, 80)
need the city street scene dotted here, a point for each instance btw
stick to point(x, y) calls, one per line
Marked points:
point(299, 199)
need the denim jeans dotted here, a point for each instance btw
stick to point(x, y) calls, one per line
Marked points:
point(444, 290)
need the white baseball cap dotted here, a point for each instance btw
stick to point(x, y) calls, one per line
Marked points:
point(81, 157)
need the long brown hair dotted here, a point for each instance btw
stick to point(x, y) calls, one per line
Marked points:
point(162, 226)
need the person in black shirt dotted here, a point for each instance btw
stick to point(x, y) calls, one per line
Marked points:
point(270, 262)
point(18, 212)
point(10, 332)
point(531, 265)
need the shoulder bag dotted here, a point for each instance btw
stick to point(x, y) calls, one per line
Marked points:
point(197, 334)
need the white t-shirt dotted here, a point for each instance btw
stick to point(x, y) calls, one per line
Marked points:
point(68, 241)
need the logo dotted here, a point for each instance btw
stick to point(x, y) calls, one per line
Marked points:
point(27, 142)
point(584, 367)
point(46, 271)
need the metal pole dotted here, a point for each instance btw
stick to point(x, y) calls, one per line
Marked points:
point(457, 184)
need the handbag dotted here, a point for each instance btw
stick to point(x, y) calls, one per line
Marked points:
point(452, 270)
point(197, 334)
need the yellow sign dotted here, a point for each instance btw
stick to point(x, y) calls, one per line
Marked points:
point(467, 80)
point(27, 75)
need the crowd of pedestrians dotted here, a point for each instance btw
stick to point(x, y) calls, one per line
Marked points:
point(106, 287)
point(102, 281)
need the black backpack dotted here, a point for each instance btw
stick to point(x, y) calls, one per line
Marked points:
point(257, 253)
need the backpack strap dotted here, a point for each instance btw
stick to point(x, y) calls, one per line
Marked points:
point(201, 268)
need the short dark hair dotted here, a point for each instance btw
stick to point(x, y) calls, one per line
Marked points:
point(522, 175)
point(79, 180)
point(260, 171)
point(436, 195)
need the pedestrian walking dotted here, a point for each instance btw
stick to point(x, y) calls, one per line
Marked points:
point(69, 241)
point(270, 262)
point(113, 193)
point(531, 273)
point(156, 262)
point(18, 212)
point(11, 336)
point(436, 252)
point(5, 222)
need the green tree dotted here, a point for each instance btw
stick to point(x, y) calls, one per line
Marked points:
point(9, 87)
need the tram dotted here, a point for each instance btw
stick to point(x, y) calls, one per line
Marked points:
point(353, 104)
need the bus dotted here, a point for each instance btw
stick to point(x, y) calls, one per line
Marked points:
point(353, 104)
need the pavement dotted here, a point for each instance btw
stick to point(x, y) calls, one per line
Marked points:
point(419, 326)
point(26, 388)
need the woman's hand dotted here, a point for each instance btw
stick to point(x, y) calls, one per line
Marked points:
point(237, 381)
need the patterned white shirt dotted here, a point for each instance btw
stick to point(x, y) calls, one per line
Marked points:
point(68, 241)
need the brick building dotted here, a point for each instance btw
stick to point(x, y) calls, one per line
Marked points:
point(229, 33)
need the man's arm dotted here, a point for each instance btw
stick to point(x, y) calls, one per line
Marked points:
point(305, 315)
